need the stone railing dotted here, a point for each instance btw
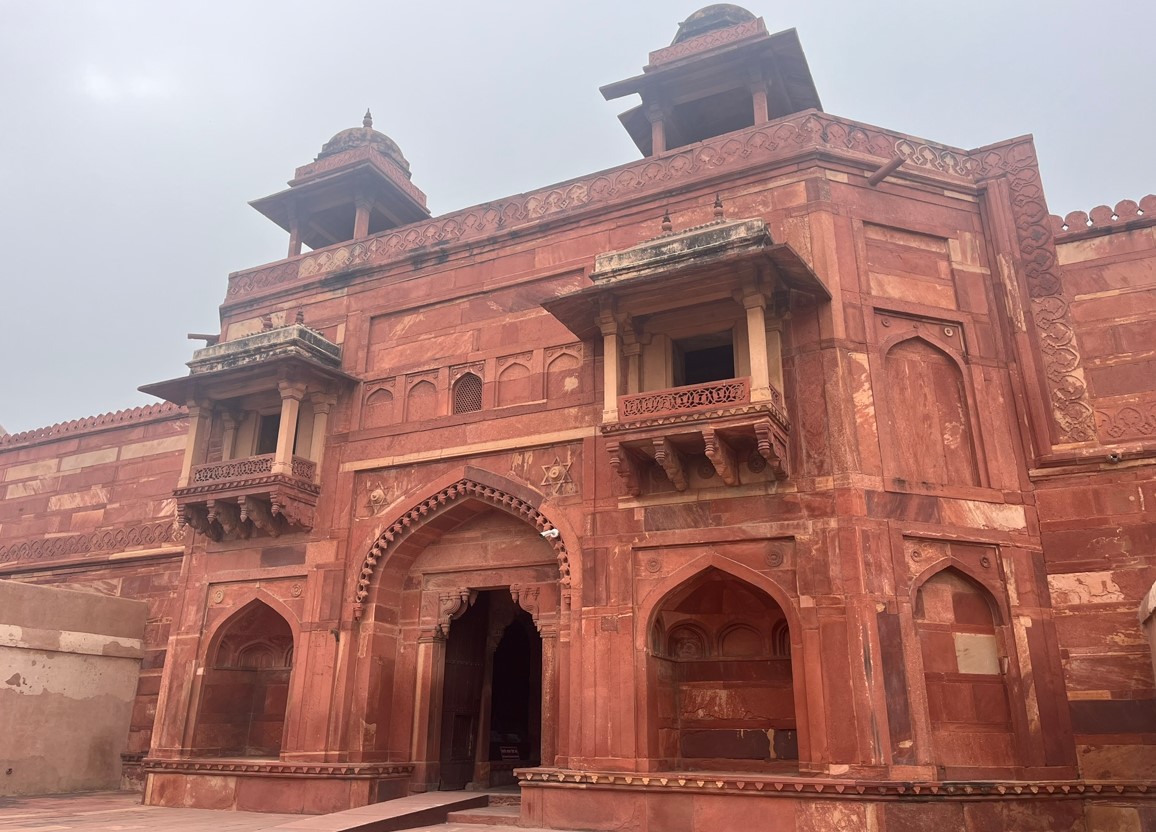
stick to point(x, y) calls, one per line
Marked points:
point(1103, 219)
point(304, 469)
point(691, 398)
point(251, 466)
point(233, 469)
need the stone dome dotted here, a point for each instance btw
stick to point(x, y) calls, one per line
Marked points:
point(709, 18)
point(356, 137)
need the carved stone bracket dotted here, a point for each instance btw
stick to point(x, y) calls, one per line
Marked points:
point(671, 461)
point(228, 516)
point(528, 598)
point(772, 446)
point(625, 466)
point(721, 455)
point(452, 605)
point(257, 512)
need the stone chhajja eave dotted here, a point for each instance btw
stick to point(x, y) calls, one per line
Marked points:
point(769, 785)
point(776, 142)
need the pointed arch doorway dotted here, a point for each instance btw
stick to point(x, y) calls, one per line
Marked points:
point(492, 694)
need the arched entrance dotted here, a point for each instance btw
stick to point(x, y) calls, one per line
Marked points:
point(245, 686)
point(492, 694)
point(721, 678)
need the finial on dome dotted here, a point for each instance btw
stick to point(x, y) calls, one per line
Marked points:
point(367, 121)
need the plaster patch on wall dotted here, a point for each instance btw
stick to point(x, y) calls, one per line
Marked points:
point(1084, 588)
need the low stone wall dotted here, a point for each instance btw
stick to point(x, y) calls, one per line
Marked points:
point(69, 663)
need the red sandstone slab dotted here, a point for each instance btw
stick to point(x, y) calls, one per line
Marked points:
point(402, 813)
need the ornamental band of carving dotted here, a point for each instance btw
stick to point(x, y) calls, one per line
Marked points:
point(1074, 420)
point(682, 399)
point(413, 519)
point(108, 540)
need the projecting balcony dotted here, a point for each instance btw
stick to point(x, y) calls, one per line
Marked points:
point(234, 498)
point(716, 420)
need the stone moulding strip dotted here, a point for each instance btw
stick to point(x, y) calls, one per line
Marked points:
point(429, 508)
point(770, 142)
point(92, 424)
point(274, 768)
point(753, 785)
point(105, 540)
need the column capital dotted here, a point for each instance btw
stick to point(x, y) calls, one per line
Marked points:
point(292, 389)
point(322, 402)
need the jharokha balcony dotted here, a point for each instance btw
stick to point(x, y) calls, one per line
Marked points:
point(692, 325)
point(239, 496)
point(258, 413)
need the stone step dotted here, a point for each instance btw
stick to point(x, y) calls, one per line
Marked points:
point(506, 797)
point(486, 816)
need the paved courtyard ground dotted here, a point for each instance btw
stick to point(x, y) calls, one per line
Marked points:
point(121, 811)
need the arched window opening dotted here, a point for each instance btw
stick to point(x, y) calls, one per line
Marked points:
point(967, 696)
point(378, 408)
point(467, 394)
point(245, 686)
point(931, 436)
point(725, 697)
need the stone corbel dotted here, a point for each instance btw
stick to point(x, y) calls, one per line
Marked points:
point(228, 517)
point(721, 456)
point(196, 516)
point(293, 511)
point(257, 511)
point(452, 605)
point(671, 461)
point(527, 597)
point(772, 448)
point(626, 467)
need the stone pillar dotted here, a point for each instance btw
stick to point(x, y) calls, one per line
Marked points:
point(291, 395)
point(657, 117)
point(759, 98)
point(550, 721)
point(200, 414)
point(425, 751)
point(363, 206)
point(322, 404)
point(230, 420)
point(610, 366)
point(756, 303)
point(294, 232)
point(775, 353)
point(1148, 621)
point(632, 349)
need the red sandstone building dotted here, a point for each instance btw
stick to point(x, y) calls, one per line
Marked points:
point(801, 470)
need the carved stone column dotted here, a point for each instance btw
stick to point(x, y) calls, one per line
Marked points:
point(291, 395)
point(294, 232)
point(550, 714)
point(611, 359)
point(656, 114)
point(756, 303)
point(425, 750)
point(200, 414)
point(363, 207)
point(229, 420)
point(322, 404)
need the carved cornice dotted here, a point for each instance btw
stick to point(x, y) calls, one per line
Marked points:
point(770, 142)
point(432, 507)
point(105, 540)
point(92, 424)
point(832, 789)
point(1060, 354)
point(275, 768)
point(614, 428)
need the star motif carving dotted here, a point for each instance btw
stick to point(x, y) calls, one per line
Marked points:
point(556, 476)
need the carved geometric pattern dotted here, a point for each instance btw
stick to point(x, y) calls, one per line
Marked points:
point(107, 540)
point(682, 399)
point(710, 40)
point(766, 142)
point(355, 770)
point(417, 516)
point(233, 469)
point(1074, 419)
point(556, 477)
point(1103, 218)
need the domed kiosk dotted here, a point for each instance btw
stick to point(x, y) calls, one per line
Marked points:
point(358, 185)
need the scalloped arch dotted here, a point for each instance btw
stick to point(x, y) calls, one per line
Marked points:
point(443, 500)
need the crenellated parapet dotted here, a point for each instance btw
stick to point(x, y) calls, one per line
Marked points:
point(92, 424)
point(1127, 214)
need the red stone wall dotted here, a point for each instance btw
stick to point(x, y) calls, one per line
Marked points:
point(1096, 519)
point(88, 505)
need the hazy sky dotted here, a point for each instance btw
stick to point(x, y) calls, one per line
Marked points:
point(132, 134)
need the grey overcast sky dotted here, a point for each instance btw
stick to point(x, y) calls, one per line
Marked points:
point(132, 134)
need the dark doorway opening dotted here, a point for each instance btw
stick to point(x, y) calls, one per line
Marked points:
point(704, 358)
point(492, 699)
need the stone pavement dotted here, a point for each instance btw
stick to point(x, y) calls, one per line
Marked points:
point(114, 811)
point(121, 811)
